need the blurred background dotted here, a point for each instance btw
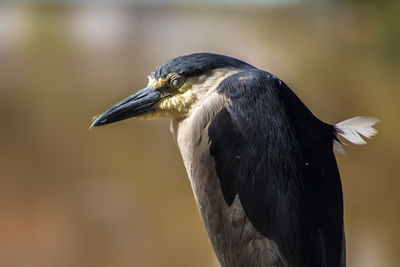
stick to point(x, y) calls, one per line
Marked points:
point(119, 195)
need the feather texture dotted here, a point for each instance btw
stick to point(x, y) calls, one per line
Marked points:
point(276, 156)
point(353, 129)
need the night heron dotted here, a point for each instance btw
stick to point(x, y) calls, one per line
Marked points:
point(261, 165)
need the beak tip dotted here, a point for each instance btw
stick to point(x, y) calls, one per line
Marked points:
point(97, 120)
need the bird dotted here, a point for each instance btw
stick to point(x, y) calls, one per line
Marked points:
point(261, 166)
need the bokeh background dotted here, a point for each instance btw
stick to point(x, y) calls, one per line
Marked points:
point(119, 195)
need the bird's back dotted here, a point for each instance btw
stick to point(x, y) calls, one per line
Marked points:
point(265, 178)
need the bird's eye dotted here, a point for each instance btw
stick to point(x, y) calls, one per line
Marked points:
point(177, 82)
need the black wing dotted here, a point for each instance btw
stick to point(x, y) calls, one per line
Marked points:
point(277, 156)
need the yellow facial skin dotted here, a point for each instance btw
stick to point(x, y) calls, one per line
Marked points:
point(176, 102)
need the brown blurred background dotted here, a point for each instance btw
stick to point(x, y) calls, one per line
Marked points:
point(119, 195)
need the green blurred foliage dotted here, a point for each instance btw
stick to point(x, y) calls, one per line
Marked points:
point(119, 195)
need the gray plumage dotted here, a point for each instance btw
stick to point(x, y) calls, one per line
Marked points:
point(232, 235)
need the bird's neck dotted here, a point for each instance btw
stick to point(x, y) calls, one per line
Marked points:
point(192, 138)
point(191, 135)
point(227, 227)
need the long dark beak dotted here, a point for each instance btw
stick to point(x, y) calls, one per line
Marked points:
point(134, 105)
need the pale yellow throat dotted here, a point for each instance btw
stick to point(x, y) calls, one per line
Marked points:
point(179, 103)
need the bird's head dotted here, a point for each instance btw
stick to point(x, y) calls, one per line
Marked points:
point(174, 88)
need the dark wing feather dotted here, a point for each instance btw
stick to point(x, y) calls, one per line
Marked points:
point(277, 156)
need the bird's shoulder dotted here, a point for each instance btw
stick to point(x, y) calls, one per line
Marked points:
point(252, 79)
